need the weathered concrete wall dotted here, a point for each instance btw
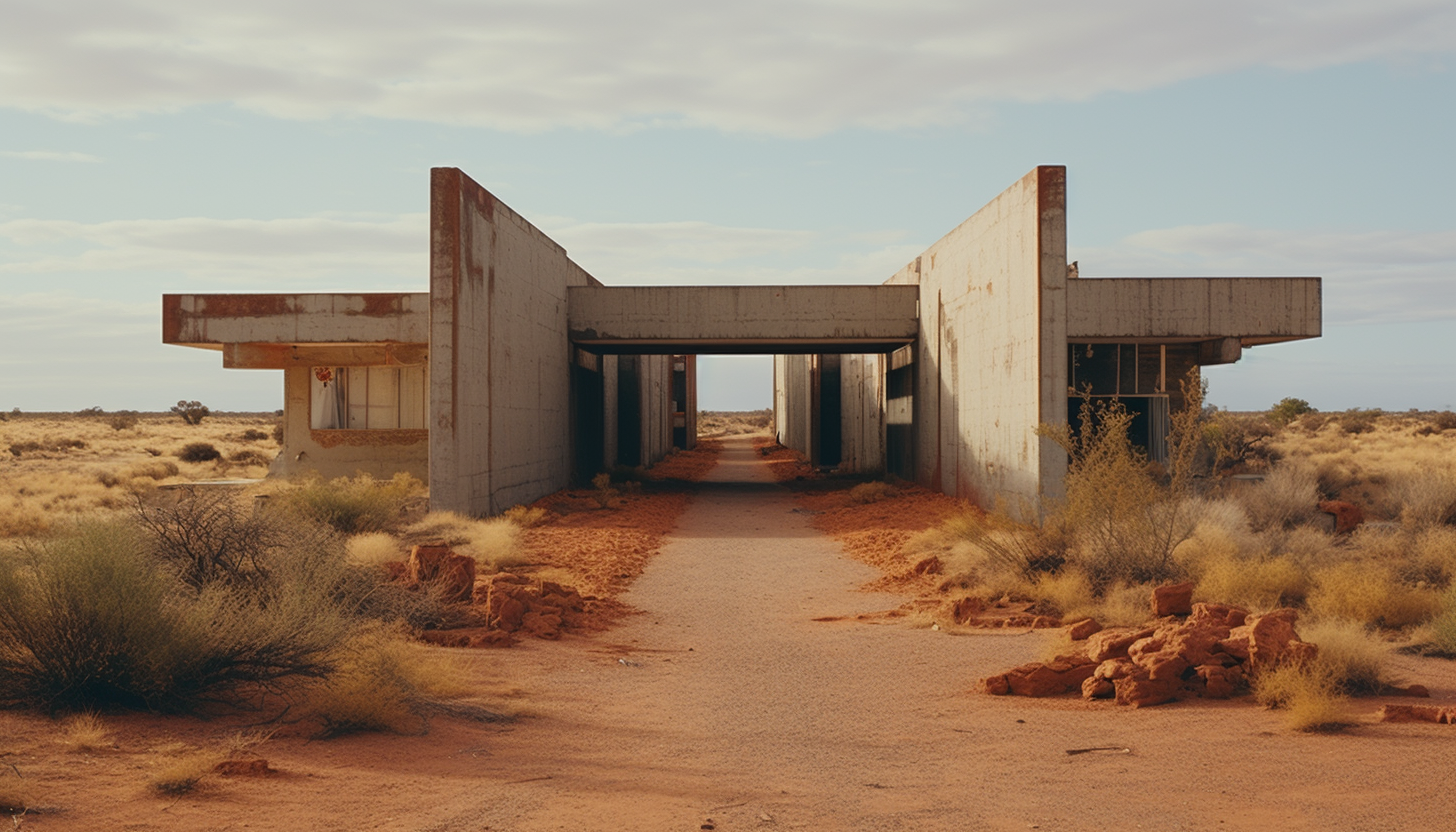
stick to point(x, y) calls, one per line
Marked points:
point(862, 413)
point(743, 319)
point(793, 405)
point(500, 380)
point(991, 360)
point(656, 375)
point(1255, 310)
point(342, 453)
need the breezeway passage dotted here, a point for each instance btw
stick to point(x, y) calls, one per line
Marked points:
point(531, 374)
point(724, 702)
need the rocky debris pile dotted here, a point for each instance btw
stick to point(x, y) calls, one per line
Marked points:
point(1348, 516)
point(520, 604)
point(1190, 650)
point(508, 605)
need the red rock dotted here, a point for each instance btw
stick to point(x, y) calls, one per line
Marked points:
point(1221, 615)
point(1414, 713)
point(1269, 638)
point(256, 767)
point(1113, 643)
point(965, 610)
point(1172, 599)
point(1415, 691)
point(424, 561)
point(542, 625)
point(505, 612)
point(1348, 516)
point(396, 571)
point(1084, 628)
point(1061, 675)
point(1237, 643)
point(928, 566)
point(1114, 669)
point(1140, 691)
point(997, 685)
point(1219, 682)
point(1095, 688)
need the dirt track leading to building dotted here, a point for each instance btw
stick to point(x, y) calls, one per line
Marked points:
point(725, 702)
point(726, 705)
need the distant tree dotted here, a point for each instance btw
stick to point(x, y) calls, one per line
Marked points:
point(1288, 410)
point(191, 412)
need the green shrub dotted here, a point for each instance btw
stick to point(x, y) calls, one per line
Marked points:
point(1288, 410)
point(87, 620)
point(351, 505)
point(199, 452)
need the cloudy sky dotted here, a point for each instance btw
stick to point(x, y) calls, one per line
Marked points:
point(151, 146)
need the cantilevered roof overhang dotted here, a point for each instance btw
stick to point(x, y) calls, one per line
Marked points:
point(300, 330)
point(742, 319)
point(1252, 310)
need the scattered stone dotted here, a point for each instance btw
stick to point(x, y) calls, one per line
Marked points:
point(1084, 628)
point(1172, 599)
point(1037, 679)
point(436, 564)
point(256, 767)
point(928, 566)
point(1348, 516)
point(966, 610)
point(1418, 713)
point(1139, 691)
point(1095, 688)
point(1222, 615)
point(1414, 691)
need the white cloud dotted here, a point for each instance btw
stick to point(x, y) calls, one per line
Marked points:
point(792, 67)
point(279, 250)
point(1370, 276)
point(49, 156)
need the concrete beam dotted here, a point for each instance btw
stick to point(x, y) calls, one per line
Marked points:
point(283, 356)
point(1219, 351)
point(742, 319)
point(1255, 310)
point(209, 320)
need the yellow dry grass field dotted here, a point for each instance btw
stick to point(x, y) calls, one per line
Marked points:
point(734, 422)
point(56, 466)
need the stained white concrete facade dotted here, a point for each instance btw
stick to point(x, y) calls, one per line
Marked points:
point(539, 376)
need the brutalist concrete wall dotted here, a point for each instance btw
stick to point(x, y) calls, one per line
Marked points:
point(793, 402)
point(342, 453)
point(656, 375)
point(991, 360)
point(862, 413)
point(500, 396)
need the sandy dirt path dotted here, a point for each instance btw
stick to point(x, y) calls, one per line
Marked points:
point(725, 705)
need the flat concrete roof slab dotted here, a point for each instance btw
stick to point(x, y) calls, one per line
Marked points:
point(743, 319)
point(210, 321)
point(1256, 310)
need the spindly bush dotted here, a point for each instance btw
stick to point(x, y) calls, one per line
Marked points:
point(350, 505)
point(191, 412)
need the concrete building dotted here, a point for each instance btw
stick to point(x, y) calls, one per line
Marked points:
point(518, 372)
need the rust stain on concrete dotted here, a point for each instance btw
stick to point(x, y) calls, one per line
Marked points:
point(367, 438)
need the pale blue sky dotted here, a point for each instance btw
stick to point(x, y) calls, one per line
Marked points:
point(161, 145)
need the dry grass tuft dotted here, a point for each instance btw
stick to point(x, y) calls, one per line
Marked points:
point(1353, 659)
point(1310, 700)
point(380, 683)
point(85, 731)
point(527, 517)
point(870, 492)
point(374, 549)
point(185, 773)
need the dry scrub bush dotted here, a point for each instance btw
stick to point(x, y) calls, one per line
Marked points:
point(1354, 660)
point(870, 492)
point(1255, 583)
point(1288, 496)
point(350, 505)
point(1426, 497)
point(87, 619)
point(1369, 593)
point(381, 683)
point(374, 549)
point(604, 492)
point(1023, 549)
point(1438, 637)
point(494, 543)
point(526, 517)
point(1311, 701)
point(199, 452)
